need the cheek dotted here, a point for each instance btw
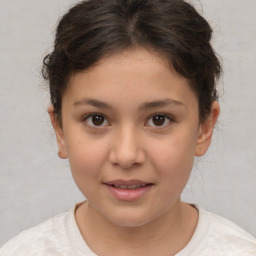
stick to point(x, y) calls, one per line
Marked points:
point(173, 158)
point(173, 173)
point(86, 157)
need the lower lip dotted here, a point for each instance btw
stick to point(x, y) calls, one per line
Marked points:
point(128, 194)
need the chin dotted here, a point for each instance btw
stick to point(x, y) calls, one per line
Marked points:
point(130, 219)
point(129, 222)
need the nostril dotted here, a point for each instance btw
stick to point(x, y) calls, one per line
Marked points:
point(126, 158)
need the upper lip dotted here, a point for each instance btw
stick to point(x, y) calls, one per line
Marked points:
point(127, 182)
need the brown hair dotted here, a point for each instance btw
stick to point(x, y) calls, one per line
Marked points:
point(93, 29)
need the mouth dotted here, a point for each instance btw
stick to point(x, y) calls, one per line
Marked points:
point(128, 190)
point(131, 184)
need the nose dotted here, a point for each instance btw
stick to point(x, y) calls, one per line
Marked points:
point(127, 150)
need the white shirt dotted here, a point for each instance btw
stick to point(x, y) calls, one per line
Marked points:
point(60, 236)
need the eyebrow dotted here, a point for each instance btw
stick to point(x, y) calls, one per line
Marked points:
point(93, 102)
point(160, 103)
point(144, 106)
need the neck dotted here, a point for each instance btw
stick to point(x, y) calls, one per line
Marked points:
point(168, 233)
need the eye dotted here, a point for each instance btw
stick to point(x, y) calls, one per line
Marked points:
point(159, 120)
point(95, 120)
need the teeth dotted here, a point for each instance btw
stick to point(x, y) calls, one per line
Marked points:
point(132, 186)
point(129, 186)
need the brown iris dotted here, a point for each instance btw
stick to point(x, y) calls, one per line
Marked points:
point(158, 120)
point(97, 120)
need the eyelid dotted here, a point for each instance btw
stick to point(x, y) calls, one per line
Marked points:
point(85, 118)
point(169, 117)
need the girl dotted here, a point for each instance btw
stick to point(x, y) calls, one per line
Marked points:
point(133, 93)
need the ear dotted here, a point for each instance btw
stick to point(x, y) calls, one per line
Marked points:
point(206, 130)
point(59, 133)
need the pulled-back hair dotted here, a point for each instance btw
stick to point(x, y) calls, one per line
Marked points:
point(93, 29)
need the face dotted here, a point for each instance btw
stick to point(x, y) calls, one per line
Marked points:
point(130, 128)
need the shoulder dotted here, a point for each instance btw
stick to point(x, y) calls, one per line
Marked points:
point(43, 239)
point(223, 236)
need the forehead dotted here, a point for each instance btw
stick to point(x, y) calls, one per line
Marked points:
point(129, 75)
point(128, 61)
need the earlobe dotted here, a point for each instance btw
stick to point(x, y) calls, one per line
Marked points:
point(59, 133)
point(206, 130)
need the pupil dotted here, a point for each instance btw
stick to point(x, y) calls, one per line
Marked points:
point(158, 120)
point(97, 120)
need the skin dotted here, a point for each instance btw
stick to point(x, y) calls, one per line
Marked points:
point(130, 145)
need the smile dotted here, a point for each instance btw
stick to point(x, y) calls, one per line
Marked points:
point(128, 190)
point(129, 186)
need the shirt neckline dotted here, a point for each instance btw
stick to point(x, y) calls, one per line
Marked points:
point(80, 247)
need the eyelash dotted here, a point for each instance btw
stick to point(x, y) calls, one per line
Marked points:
point(166, 117)
point(84, 119)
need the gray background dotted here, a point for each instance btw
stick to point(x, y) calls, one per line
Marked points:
point(35, 184)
